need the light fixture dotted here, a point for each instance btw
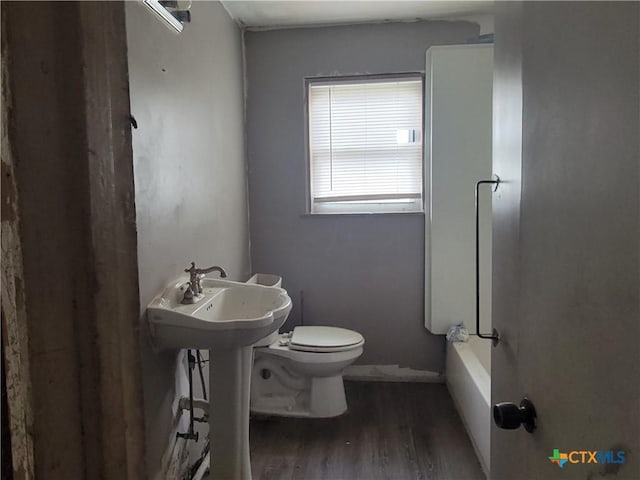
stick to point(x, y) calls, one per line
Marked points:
point(165, 15)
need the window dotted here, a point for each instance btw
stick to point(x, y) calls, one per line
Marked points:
point(365, 144)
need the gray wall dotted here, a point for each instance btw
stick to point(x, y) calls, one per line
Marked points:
point(187, 96)
point(364, 272)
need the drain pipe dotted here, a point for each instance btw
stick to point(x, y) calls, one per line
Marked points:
point(190, 403)
point(191, 433)
point(200, 362)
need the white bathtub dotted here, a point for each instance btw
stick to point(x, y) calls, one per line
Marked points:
point(468, 373)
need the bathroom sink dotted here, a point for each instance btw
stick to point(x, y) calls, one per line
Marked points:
point(227, 320)
point(231, 314)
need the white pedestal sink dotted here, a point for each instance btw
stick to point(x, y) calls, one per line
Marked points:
point(229, 319)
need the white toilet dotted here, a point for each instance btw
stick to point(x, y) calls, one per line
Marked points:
point(299, 374)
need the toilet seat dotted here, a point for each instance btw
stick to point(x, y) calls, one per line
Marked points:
point(320, 339)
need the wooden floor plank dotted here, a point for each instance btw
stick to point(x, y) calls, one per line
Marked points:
point(392, 431)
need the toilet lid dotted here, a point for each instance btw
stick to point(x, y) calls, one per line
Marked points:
point(324, 339)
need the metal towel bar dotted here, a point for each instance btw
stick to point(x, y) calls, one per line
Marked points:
point(493, 336)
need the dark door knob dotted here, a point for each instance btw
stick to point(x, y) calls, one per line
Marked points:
point(510, 416)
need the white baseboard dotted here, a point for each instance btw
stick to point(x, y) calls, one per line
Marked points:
point(390, 373)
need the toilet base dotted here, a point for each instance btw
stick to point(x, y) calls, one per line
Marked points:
point(321, 397)
point(325, 405)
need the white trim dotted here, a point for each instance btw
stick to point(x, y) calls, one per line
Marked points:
point(340, 134)
point(408, 206)
point(163, 14)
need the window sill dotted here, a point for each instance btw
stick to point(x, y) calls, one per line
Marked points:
point(360, 214)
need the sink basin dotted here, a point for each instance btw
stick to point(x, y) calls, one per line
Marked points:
point(231, 314)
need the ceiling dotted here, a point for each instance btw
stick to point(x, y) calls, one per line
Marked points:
point(272, 14)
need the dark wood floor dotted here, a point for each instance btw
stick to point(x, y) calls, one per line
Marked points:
point(392, 431)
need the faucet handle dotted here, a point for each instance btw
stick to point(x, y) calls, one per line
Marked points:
point(192, 269)
point(188, 294)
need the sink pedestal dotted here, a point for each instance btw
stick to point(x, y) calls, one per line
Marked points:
point(229, 382)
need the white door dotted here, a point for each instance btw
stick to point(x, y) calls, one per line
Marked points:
point(566, 238)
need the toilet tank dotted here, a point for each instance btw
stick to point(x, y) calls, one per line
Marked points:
point(266, 279)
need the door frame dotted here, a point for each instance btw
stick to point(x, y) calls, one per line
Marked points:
point(65, 93)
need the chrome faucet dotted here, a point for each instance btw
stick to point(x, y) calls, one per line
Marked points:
point(193, 292)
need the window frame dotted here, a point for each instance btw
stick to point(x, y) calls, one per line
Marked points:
point(361, 207)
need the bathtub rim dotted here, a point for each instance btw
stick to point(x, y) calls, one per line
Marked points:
point(479, 374)
point(461, 363)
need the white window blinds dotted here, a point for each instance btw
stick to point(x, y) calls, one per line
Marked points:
point(365, 143)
